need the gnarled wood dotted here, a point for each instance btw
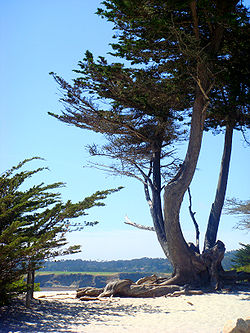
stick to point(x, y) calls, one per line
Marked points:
point(184, 292)
point(127, 288)
point(147, 279)
point(208, 266)
point(89, 291)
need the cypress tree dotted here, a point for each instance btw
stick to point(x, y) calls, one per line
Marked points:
point(33, 227)
point(185, 47)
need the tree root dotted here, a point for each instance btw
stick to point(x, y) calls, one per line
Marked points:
point(127, 288)
point(89, 291)
point(207, 271)
point(184, 292)
point(89, 298)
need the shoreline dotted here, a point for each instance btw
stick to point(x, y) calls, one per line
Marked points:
point(63, 288)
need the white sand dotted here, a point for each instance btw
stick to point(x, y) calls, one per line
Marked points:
point(62, 312)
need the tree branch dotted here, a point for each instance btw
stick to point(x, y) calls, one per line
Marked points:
point(193, 219)
point(139, 226)
point(113, 170)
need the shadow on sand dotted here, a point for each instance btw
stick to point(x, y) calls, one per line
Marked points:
point(59, 316)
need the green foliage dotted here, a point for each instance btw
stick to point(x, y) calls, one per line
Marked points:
point(242, 256)
point(149, 103)
point(37, 287)
point(244, 269)
point(141, 120)
point(33, 224)
point(12, 287)
point(176, 36)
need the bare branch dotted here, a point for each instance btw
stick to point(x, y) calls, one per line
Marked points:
point(139, 226)
point(193, 219)
point(113, 170)
point(244, 136)
point(204, 93)
point(147, 195)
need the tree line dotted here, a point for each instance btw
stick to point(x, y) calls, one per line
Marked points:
point(133, 265)
point(147, 265)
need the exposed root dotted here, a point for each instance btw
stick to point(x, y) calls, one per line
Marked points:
point(148, 280)
point(178, 279)
point(207, 271)
point(87, 298)
point(184, 292)
point(89, 291)
point(126, 288)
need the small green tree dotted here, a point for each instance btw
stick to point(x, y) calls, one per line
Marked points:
point(242, 256)
point(33, 224)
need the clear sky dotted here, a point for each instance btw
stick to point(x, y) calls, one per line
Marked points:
point(41, 36)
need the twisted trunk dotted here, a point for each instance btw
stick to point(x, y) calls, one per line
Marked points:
point(187, 264)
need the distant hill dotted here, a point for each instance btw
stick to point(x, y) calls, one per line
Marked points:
point(153, 265)
point(143, 265)
point(227, 261)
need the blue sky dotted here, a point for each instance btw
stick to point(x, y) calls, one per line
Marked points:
point(41, 36)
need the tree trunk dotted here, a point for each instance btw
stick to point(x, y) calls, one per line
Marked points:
point(156, 207)
point(29, 288)
point(189, 266)
point(215, 213)
point(32, 283)
point(186, 263)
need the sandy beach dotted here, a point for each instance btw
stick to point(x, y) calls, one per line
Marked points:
point(60, 311)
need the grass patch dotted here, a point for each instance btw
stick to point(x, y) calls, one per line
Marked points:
point(244, 269)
